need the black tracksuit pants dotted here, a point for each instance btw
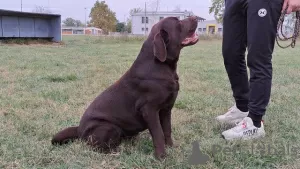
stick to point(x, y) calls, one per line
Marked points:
point(251, 25)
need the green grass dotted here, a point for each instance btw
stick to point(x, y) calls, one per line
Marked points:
point(46, 88)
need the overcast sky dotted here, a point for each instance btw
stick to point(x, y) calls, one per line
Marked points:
point(75, 8)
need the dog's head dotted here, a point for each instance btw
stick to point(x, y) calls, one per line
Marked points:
point(170, 35)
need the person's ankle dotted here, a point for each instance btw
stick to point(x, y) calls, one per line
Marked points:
point(243, 108)
point(256, 119)
point(242, 105)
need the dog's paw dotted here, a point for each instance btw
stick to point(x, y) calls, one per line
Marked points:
point(169, 142)
point(160, 155)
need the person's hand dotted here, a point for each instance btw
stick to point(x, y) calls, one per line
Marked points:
point(293, 6)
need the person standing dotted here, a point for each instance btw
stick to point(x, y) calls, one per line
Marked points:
point(252, 25)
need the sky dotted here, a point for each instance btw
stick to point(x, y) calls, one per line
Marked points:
point(76, 8)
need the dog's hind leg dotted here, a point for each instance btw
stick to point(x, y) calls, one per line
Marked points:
point(105, 138)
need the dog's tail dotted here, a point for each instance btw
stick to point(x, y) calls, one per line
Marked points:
point(65, 136)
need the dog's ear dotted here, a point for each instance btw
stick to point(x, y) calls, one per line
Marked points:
point(159, 47)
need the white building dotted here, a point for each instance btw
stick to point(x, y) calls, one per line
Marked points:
point(143, 22)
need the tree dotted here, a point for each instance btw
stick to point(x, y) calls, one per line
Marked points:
point(41, 9)
point(153, 5)
point(157, 5)
point(72, 22)
point(135, 10)
point(88, 24)
point(128, 25)
point(129, 22)
point(103, 17)
point(120, 27)
point(69, 22)
point(217, 8)
point(78, 23)
point(177, 8)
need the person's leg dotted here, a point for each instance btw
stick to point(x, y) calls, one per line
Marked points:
point(262, 19)
point(233, 50)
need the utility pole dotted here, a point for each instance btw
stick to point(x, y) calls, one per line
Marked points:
point(145, 16)
point(49, 11)
point(157, 5)
point(85, 20)
point(21, 5)
point(125, 24)
point(85, 17)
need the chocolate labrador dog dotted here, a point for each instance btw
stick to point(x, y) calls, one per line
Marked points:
point(143, 97)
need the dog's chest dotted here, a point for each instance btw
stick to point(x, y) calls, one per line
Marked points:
point(170, 100)
point(173, 85)
point(173, 92)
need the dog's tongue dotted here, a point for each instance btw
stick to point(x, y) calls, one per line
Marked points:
point(190, 39)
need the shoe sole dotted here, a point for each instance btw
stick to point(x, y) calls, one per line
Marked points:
point(244, 138)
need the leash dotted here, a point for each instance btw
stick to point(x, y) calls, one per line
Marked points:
point(295, 33)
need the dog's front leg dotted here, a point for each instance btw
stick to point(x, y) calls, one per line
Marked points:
point(165, 120)
point(151, 117)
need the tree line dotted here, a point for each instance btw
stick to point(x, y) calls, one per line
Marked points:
point(104, 18)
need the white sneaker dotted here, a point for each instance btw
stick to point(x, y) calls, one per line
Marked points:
point(244, 130)
point(233, 116)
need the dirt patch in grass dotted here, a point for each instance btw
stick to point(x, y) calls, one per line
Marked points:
point(29, 41)
point(58, 79)
point(4, 72)
point(3, 112)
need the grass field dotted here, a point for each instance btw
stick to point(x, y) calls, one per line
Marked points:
point(47, 88)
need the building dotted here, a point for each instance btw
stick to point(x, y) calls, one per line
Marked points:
point(15, 24)
point(143, 22)
point(81, 31)
point(209, 27)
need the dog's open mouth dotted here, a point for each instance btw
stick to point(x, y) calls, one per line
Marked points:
point(193, 39)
